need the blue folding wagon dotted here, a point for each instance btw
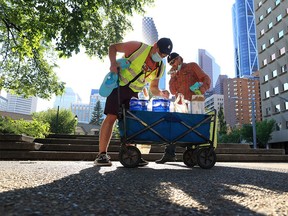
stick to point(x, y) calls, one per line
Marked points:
point(195, 132)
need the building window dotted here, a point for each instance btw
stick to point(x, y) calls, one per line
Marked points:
point(276, 90)
point(277, 2)
point(262, 32)
point(270, 25)
point(282, 51)
point(264, 62)
point(285, 86)
point(278, 126)
point(267, 94)
point(277, 108)
point(284, 68)
point(271, 41)
point(267, 111)
point(261, 18)
point(259, 4)
point(273, 57)
point(274, 73)
point(263, 47)
point(266, 78)
point(286, 105)
point(281, 34)
point(279, 17)
point(269, 10)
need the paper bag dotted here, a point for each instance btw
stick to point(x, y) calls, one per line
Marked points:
point(197, 104)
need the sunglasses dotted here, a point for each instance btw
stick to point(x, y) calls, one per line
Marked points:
point(173, 61)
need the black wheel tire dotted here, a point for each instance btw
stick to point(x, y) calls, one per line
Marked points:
point(129, 156)
point(190, 157)
point(206, 158)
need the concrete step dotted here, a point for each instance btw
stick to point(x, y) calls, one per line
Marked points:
point(86, 148)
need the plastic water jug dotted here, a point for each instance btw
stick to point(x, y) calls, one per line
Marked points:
point(138, 104)
point(160, 105)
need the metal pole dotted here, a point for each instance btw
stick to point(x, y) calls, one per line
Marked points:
point(254, 124)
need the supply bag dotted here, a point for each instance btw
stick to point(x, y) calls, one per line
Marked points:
point(180, 105)
point(197, 105)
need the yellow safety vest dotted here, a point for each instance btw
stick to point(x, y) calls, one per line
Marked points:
point(137, 60)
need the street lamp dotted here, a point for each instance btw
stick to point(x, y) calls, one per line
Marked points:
point(76, 120)
point(253, 119)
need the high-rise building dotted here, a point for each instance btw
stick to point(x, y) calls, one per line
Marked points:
point(149, 31)
point(65, 101)
point(271, 24)
point(20, 104)
point(245, 44)
point(150, 36)
point(242, 100)
point(215, 101)
point(209, 66)
point(84, 111)
point(219, 87)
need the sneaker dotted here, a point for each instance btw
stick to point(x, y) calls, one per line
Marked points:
point(143, 162)
point(166, 158)
point(102, 160)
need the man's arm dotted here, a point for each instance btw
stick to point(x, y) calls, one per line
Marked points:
point(127, 48)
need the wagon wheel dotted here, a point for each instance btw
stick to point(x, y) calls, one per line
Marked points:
point(190, 157)
point(129, 156)
point(206, 158)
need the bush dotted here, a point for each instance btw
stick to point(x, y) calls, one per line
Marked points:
point(34, 128)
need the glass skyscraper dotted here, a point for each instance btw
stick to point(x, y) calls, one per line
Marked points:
point(245, 44)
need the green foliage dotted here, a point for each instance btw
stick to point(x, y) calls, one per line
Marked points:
point(233, 137)
point(222, 122)
point(33, 128)
point(97, 115)
point(62, 122)
point(34, 33)
point(264, 130)
point(247, 132)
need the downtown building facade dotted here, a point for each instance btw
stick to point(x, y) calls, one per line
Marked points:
point(244, 33)
point(150, 36)
point(272, 30)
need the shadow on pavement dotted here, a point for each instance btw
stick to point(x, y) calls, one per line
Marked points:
point(147, 191)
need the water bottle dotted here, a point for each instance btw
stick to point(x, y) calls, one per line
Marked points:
point(160, 105)
point(138, 104)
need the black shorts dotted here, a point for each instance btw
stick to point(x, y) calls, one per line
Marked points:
point(112, 104)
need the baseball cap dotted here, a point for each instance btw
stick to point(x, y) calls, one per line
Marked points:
point(172, 56)
point(109, 83)
point(165, 45)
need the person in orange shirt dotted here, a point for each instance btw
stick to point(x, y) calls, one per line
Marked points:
point(184, 78)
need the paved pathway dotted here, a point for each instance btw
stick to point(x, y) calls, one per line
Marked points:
point(80, 188)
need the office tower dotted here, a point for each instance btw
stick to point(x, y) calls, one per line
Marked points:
point(65, 101)
point(242, 100)
point(244, 32)
point(215, 101)
point(209, 66)
point(271, 24)
point(19, 104)
point(219, 87)
point(150, 36)
point(149, 31)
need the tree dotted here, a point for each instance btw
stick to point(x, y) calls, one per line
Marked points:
point(233, 137)
point(61, 122)
point(33, 33)
point(222, 122)
point(97, 115)
point(264, 130)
